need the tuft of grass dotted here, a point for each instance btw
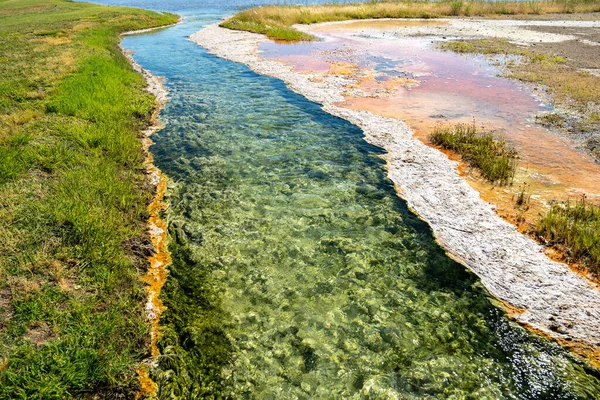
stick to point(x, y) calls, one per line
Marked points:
point(551, 120)
point(574, 227)
point(457, 6)
point(482, 150)
point(73, 199)
point(522, 198)
point(535, 7)
point(276, 21)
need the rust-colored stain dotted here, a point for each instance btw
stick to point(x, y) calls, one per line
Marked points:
point(156, 274)
point(147, 386)
point(342, 68)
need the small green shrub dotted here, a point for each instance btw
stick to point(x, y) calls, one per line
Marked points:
point(457, 6)
point(576, 227)
point(482, 150)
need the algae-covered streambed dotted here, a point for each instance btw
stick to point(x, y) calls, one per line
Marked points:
point(298, 272)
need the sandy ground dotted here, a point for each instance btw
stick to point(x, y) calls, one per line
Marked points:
point(549, 297)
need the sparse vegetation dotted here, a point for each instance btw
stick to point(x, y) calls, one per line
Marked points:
point(277, 21)
point(565, 83)
point(573, 89)
point(484, 46)
point(481, 149)
point(72, 200)
point(501, 46)
point(551, 120)
point(522, 198)
point(575, 228)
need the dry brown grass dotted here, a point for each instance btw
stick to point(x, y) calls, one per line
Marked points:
point(277, 21)
point(566, 84)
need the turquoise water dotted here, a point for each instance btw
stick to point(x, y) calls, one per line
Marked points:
point(298, 273)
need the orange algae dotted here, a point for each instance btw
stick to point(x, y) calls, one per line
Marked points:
point(156, 274)
point(342, 68)
point(147, 386)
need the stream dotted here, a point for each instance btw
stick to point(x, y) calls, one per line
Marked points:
point(298, 273)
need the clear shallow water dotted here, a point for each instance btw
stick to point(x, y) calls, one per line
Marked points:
point(297, 271)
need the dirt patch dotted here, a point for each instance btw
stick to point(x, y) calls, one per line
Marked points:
point(21, 286)
point(39, 333)
point(583, 52)
point(6, 309)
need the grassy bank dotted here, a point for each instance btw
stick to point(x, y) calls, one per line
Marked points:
point(276, 21)
point(72, 200)
point(574, 229)
point(480, 149)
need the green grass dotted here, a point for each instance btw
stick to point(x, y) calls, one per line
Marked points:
point(72, 200)
point(480, 149)
point(484, 46)
point(277, 21)
point(575, 227)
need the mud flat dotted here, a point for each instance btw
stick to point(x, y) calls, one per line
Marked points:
point(539, 293)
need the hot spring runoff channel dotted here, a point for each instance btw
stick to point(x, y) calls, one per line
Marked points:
point(298, 273)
